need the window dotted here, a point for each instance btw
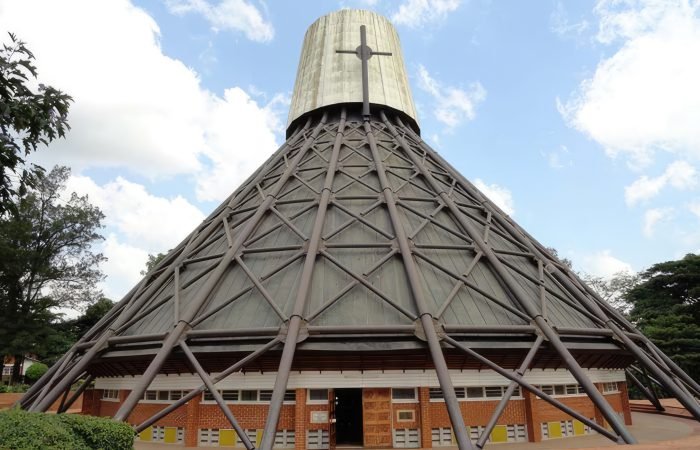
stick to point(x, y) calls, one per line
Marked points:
point(405, 415)
point(404, 394)
point(475, 392)
point(165, 396)
point(493, 391)
point(610, 387)
point(562, 389)
point(246, 395)
point(290, 396)
point(435, 394)
point(7, 370)
point(229, 396)
point(318, 395)
point(249, 396)
point(110, 394)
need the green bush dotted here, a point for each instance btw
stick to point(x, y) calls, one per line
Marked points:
point(36, 371)
point(13, 388)
point(99, 432)
point(21, 430)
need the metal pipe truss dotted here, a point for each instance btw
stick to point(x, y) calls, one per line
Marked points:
point(345, 185)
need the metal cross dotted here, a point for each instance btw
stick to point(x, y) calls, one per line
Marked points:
point(364, 52)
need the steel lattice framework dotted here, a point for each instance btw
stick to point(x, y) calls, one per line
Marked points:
point(356, 236)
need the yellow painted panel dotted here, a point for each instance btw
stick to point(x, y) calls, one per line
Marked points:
point(579, 428)
point(227, 437)
point(146, 434)
point(170, 436)
point(499, 434)
point(554, 429)
point(258, 437)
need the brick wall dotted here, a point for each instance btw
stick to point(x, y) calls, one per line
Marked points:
point(195, 414)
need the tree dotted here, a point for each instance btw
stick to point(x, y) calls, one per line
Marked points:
point(46, 261)
point(614, 290)
point(28, 118)
point(153, 261)
point(66, 332)
point(666, 308)
point(36, 371)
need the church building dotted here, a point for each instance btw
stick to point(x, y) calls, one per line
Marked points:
point(357, 290)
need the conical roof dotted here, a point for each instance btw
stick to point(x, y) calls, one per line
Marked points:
point(355, 245)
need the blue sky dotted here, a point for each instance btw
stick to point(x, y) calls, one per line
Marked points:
point(578, 117)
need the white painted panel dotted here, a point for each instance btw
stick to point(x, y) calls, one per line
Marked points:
point(332, 379)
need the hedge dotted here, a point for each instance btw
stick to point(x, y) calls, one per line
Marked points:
point(21, 430)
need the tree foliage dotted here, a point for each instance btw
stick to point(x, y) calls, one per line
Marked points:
point(36, 371)
point(665, 306)
point(153, 261)
point(46, 261)
point(614, 290)
point(29, 117)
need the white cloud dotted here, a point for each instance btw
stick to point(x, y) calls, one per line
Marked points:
point(644, 98)
point(135, 107)
point(604, 264)
point(678, 174)
point(695, 208)
point(558, 158)
point(499, 195)
point(416, 13)
point(123, 266)
point(559, 23)
point(153, 224)
point(452, 105)
point(652, 217)
point(236, 15)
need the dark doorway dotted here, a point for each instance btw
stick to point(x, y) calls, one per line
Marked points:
point(348, 415)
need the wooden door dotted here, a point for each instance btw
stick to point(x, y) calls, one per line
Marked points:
point(331, 419)
point(376, 414)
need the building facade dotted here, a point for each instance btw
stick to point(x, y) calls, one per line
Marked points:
point(380, 409)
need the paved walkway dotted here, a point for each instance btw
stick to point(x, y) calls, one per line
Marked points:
point(654, 432)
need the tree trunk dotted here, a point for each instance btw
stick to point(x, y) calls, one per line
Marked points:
point(17, 370)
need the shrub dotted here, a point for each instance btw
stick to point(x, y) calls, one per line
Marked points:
point(99, 432)
point(13, 388)
point(37, 431)
point(34, 431)
point(36, 371)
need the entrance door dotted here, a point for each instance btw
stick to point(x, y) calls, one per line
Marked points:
point(348, 416)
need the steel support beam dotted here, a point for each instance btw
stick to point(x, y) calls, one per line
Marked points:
point(426, 319)
point(519, 294)
point(526, 385)
point(527, 240)
point(203, 294)
point(217, 396)
point(195, 392)
point(299, 308)
point(76, 394)
point(647, 393)
point(135, 299)
point(481, 442)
